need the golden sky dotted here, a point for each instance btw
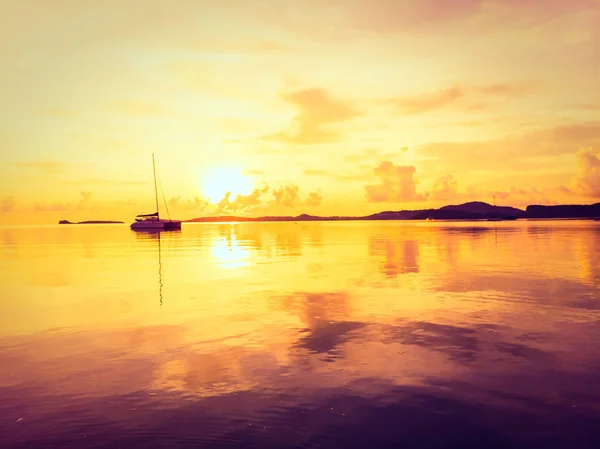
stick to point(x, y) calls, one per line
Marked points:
point(338, 107)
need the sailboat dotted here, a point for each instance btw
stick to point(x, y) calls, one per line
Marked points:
point(502, 218)
point(153, 222)
point(494, 218)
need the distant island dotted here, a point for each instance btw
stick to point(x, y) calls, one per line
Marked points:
point(475, 210)
point(89, 222)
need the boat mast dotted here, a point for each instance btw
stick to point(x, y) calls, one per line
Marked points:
point(155, 190)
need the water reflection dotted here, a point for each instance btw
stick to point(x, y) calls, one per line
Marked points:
point(227, 250)
point(155, 235)
point(316, 335)
point(401, 257)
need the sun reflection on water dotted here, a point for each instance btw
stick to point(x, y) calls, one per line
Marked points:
point(229, 253)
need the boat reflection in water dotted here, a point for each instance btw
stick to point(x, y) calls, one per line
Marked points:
point(155, 235)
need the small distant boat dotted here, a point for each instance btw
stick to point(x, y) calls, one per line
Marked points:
point(500, 218)
point(430, 216)
point(153, 222)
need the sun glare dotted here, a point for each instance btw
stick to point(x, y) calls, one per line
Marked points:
point(218, 181)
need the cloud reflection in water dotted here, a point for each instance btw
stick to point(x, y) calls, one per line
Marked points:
point(333, 334)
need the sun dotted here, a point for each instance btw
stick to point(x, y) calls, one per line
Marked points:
point(218, 181)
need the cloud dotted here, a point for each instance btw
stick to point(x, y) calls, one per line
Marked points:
point(195, 203)
point(394, 16)
point(429, 101)
point(49, 167)
point(287, 195)
point(84, 200)
point(252, 199)
point(84, 203)
point(314, 199)
point(242, 203)
point(396, 183)
point(317, 110)
point(587, 181)
point(466, 98)
point(444, 188)
point(8, 204)
point(506, 89)
point(525, 152)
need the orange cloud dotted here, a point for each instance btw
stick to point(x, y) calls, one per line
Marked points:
point(396, 183)
point(195, 204)
point(444, 188)
point(317, 111)
point(242, 203)
point(384, 16)
point(57, 206)
point(587, 181)
point(393, 16)
point(428, 102)
point(506, 89)
point(84, 200)
point(287, 195)
point(525, 152)
point(314, 199)
point(465, 98)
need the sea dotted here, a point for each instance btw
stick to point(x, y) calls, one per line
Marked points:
point(366, 334)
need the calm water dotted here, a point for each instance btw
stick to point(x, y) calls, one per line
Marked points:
point(351, 334)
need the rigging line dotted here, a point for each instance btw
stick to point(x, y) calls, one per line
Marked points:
point(164, 199)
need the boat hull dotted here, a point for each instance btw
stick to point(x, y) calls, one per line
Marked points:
point(156, 225)
point(172, 225)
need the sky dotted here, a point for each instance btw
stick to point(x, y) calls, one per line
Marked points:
point(344, 107)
